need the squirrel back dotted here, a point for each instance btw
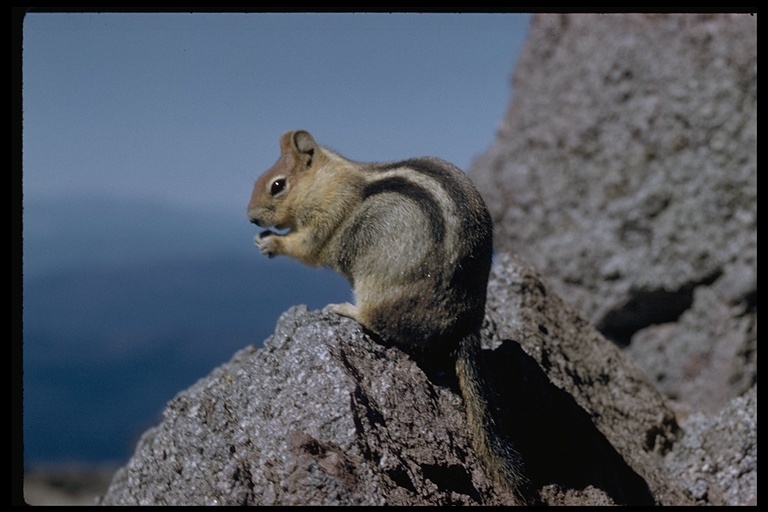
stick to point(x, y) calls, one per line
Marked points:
point(415, 240)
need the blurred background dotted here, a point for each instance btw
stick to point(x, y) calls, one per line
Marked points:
point(142, 136)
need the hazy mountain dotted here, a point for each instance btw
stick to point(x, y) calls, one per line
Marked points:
point(84, 231)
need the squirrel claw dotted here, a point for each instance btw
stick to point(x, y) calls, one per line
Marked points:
point(266, 244)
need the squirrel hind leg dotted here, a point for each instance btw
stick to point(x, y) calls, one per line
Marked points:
point(346, 309)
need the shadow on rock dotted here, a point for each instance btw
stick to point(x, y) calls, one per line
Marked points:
point(556, 438)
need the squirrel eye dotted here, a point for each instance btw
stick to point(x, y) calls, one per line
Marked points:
point(277, 186)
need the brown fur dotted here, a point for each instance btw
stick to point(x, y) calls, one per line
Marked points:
point(415, 240)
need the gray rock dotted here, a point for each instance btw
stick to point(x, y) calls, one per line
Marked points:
point(626, 169)
point(321, 415)
point(593, 419)
point(716, 460)
point(324, 415)
point(705, 358)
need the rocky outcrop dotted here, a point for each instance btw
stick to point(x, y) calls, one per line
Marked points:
point(320, 415)
point(324, 415)
point(626, 170)
point(716, 459)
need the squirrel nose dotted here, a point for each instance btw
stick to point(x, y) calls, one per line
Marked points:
point(253, 217)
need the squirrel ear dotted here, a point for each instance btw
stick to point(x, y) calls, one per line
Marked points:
point(304, 142)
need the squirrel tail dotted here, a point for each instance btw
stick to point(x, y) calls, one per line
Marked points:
point(503, 464)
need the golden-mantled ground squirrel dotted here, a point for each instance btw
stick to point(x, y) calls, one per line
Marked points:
point(415, 240)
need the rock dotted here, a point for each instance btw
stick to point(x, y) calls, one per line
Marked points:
point(716, 460)
point(705, 358)
point(590, 417)
point(323, 415)
point(626, 169)
point(320, 415)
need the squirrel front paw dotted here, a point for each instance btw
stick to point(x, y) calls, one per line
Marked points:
point(267, 243)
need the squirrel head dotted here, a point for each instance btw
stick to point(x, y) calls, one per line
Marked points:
point(275, 200)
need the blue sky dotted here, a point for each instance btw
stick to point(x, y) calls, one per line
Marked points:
point(142, 137)
point(187, 109)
